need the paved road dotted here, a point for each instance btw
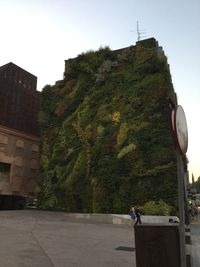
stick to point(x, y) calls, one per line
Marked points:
point(46, 239)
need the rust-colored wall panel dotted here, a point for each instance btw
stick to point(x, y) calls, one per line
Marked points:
point(157, 245)
point(19, 99)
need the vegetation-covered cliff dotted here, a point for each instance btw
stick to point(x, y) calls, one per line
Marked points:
point(106, 140)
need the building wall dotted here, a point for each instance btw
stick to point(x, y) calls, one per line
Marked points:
point(18, 76)
point(19, 99)
point(20, 152)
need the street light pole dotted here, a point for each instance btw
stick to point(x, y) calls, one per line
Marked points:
point(180, 136)
point(180, 176)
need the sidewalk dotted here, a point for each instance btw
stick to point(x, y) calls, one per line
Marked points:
point(195, 244)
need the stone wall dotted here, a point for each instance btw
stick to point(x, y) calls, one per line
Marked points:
point(20, 152)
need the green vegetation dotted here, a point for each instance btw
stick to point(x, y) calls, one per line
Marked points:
point(106, 139)
point(196, 185)
point(157, 208)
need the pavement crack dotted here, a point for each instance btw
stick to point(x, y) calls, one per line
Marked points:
point(40, 246)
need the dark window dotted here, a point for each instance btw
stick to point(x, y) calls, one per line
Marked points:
point(4, 172)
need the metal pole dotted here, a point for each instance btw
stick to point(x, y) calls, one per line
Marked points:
point(180, 175)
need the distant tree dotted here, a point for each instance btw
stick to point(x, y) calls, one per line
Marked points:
point(192, 179)
point(197, 185)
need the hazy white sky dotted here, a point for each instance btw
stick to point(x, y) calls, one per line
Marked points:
point(38, 35)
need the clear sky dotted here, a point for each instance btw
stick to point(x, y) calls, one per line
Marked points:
point(38, 35)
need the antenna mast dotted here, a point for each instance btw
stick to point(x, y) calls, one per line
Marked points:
point(138, 32)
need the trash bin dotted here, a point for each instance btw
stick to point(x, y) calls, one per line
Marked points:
point(157, 245)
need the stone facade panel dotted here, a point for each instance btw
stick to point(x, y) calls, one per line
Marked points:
point(18, 161)
point(21, 151)
point(34, 164)
point(20, 143)
point(3, 139)
point(35, 148)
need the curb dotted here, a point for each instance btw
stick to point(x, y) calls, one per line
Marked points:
point(188, 247)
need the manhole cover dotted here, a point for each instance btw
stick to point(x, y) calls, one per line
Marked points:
point(126, 248)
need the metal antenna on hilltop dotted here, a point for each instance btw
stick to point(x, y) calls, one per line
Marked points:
point(139, 33)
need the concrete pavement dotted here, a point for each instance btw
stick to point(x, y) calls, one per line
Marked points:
point(33, 238)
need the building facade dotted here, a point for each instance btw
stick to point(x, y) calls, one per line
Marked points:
point(19, 135)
